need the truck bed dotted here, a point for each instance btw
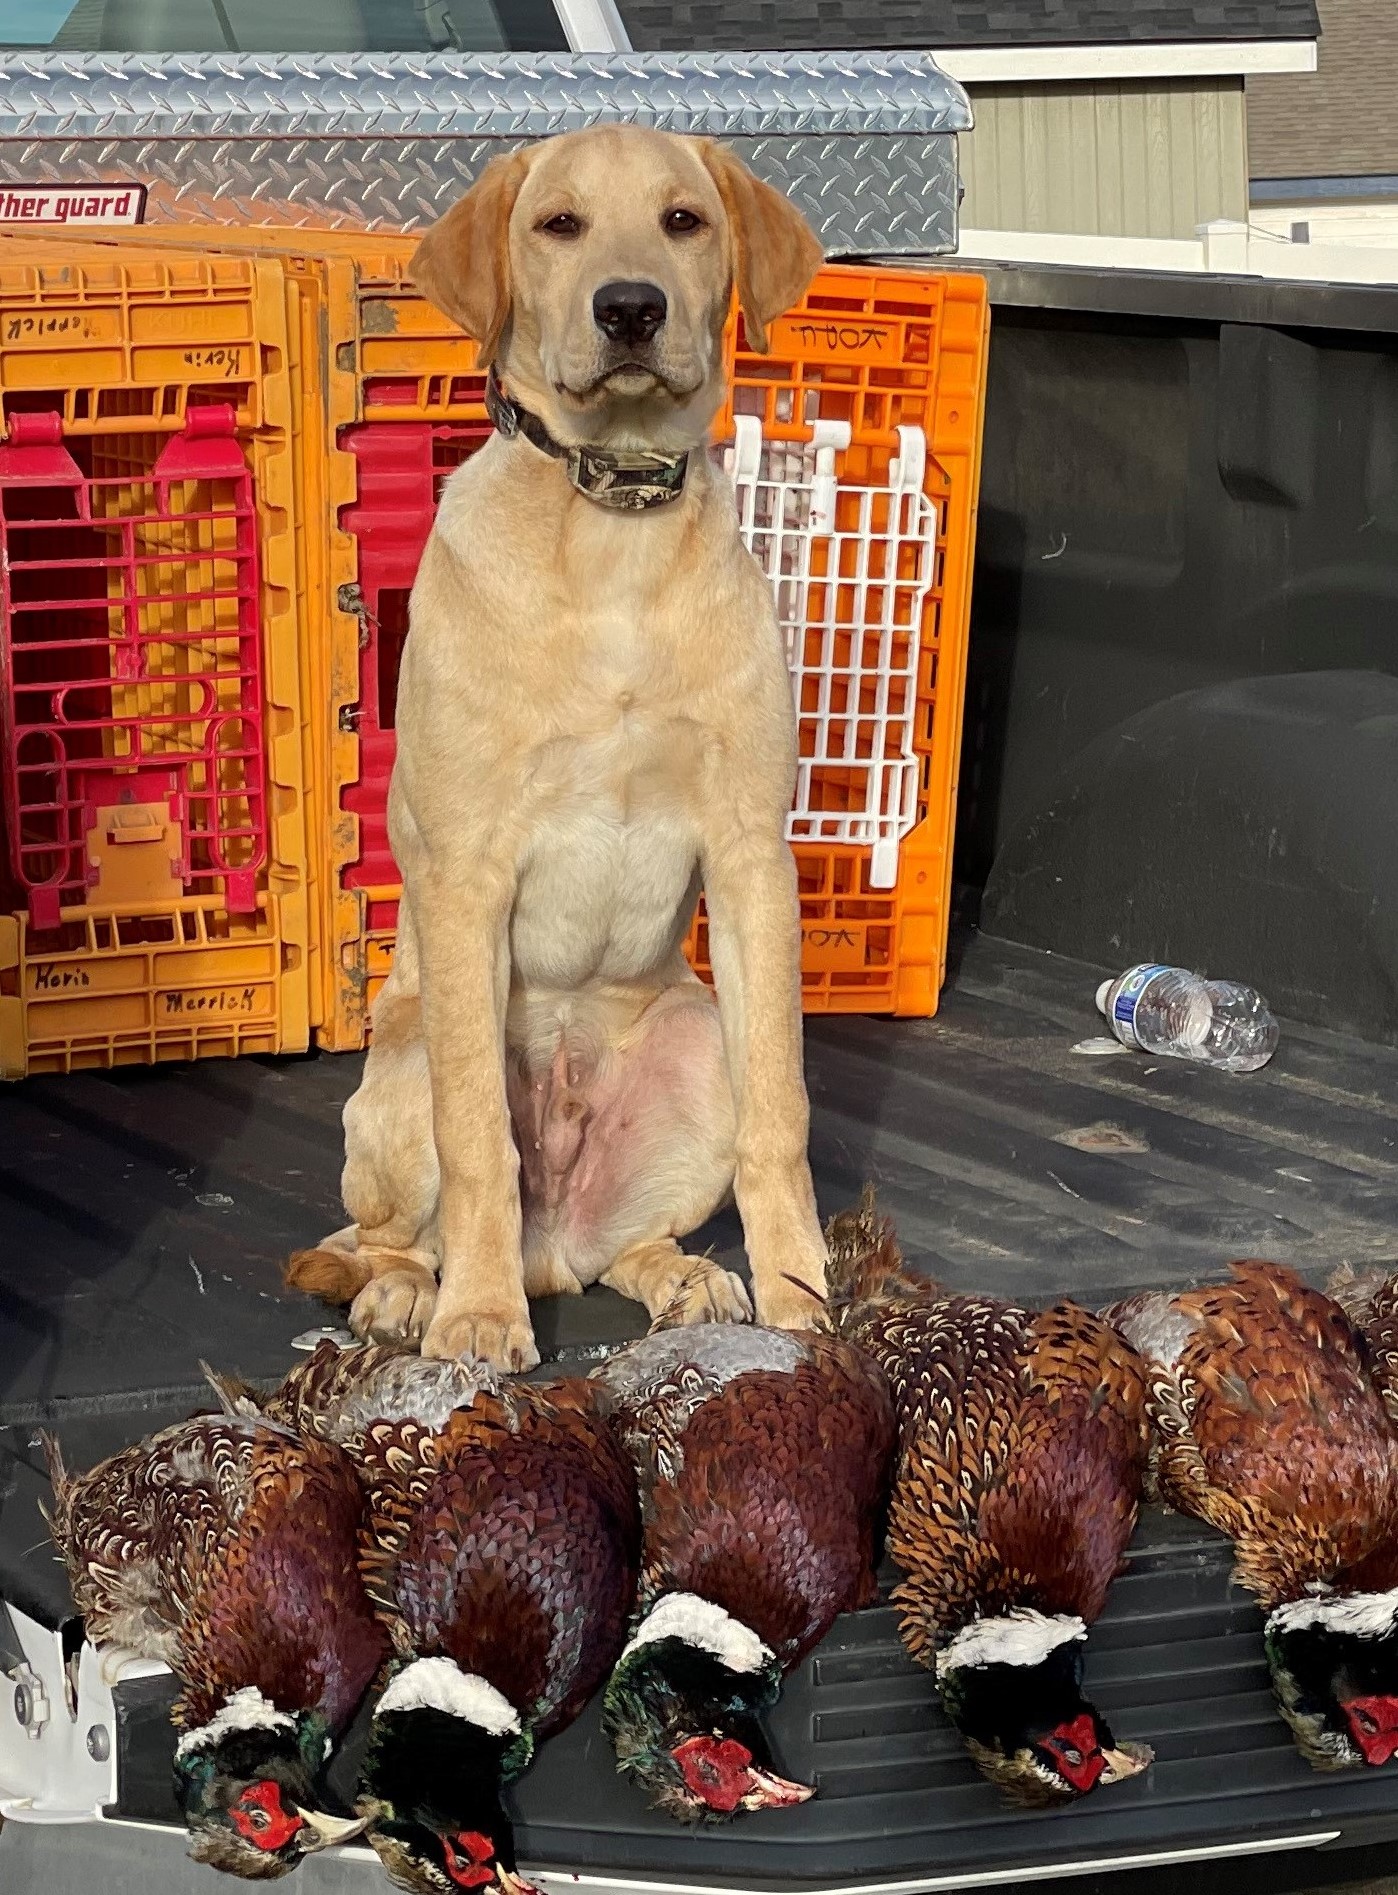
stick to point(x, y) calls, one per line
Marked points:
point(148, 1213)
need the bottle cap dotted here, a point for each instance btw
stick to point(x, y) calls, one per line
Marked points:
point(1103, 994)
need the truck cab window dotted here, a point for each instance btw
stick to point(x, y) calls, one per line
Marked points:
point(280, 26)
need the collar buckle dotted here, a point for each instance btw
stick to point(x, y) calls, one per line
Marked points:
point(503, 413)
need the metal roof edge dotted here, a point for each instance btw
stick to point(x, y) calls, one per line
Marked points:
point(1036, 62)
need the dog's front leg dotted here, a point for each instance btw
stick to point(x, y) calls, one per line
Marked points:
point(462, 918)
point(755, 948)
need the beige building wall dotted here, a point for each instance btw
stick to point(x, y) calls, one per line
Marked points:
point(1114, 158)
point(1342, 119)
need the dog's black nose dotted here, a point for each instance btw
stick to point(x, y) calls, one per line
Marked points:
point(629, 312)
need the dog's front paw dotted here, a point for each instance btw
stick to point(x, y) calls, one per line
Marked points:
point(394, 1307)
point(506, 1342)
point(704, 1292)
point(792, 1296)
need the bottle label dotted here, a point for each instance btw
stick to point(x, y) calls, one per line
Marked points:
point(1128, 998)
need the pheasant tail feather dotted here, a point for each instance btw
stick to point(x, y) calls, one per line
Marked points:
point(865, 1258)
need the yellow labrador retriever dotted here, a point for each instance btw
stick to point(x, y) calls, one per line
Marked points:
point(594, 721)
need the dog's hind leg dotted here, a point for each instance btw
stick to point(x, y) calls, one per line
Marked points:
point(384, 1264)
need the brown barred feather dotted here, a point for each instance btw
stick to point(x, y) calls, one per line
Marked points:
point(1021, 1452)
point(1270, 1426)
point(502, 1528)
point(762, 1458)
point(865, 1259)
point(226, 1550)
point(1370, 1300)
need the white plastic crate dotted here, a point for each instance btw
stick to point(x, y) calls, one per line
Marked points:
point(851, 567)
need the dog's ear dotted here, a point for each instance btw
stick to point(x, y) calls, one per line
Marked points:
point(776, 253)
point(463, 263)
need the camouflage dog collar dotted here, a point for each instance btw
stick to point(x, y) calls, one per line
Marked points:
point(610, 476)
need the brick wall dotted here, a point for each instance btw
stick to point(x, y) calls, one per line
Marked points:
point(1342, 120)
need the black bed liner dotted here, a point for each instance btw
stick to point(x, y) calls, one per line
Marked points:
point(151, 1210)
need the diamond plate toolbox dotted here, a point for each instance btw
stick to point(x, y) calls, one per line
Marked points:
point(864, 143)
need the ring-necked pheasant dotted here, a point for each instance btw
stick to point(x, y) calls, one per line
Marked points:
point(499, 1547)
point(225, 1549)
point(762, 1459)
point(1370, 1300)
point(1269, 1411)
point(1021, 1450)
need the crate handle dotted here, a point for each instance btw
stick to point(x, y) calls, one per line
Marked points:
point(206, 448)
point(136, 822)
point(908, 470)
point(33, 455)
point(828, 438)
point(743, 461)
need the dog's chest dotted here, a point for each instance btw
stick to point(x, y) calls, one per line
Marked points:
point(610, 843)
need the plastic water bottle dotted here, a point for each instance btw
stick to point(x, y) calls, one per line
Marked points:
point(1167, 1010)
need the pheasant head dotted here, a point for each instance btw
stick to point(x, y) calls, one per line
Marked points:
point(247, 1784)
point(1012, 1686)
point(1334, 1664)
point(442, 1747)
point(682, 1708)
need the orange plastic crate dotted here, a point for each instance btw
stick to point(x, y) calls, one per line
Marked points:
point(876, 351)
point(124, 341)
point(153, 898)
point(183, 980)
point(872, 351)
point(365, 348)
point(406, 403)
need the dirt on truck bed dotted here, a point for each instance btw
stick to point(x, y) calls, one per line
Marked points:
point(148, 1213)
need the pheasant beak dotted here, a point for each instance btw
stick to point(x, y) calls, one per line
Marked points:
point(512, 1884)
point(720, 1774)
point(1128, 1760)
point(326, 1832)
point(767, 1791)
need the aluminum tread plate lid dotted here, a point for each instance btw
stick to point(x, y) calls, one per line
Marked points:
point(863, 143)
point(473, 95)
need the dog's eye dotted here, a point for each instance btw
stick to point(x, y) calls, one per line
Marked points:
point(680, 222)
point(563, 225)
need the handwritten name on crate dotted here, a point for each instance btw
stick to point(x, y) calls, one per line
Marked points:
point(48, 978)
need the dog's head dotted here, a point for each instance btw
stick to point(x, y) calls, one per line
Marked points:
point(596, 270)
